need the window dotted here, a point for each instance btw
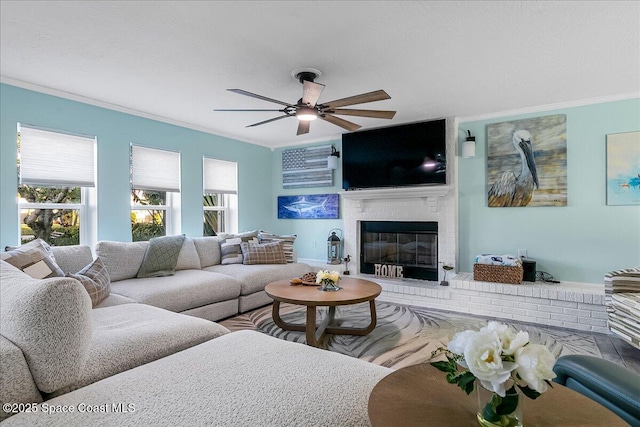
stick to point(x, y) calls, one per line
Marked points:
point(220, 198)
point(56, 185)
point(155, 189)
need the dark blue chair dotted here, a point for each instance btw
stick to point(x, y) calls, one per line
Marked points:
point(609, 384)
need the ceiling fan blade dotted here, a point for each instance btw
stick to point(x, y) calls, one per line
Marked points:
point(303, 127)
point(253, 95)
point(378, 114)
point(218, 109)
point(270, 120)
point(350, 126)
point(311, 92)
point(377, 95)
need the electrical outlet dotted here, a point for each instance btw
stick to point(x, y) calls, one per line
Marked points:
point(314, 244)
point(522, 253)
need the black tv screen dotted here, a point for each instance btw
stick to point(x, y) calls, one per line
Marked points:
point(397, 156)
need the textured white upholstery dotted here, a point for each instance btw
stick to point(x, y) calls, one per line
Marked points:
point(188, 257)
point(130, 335)
point(243, 378)
point(114, 299)
point(122, 259)
point(72, 259)
point(16, 382)
point(185, 290)
point(255, 277)
point(49, 320)
point(208, 250)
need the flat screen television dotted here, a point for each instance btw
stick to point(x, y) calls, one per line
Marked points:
point(396, 156)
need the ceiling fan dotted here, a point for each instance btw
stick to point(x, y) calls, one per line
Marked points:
point(308, 109)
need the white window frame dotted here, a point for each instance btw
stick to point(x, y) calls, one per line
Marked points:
point(228, 194)
point(87, 208)
point(172, 204)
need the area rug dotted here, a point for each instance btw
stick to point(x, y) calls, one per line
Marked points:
point(404, 335)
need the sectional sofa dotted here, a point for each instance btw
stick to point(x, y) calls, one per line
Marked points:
point(147, 355)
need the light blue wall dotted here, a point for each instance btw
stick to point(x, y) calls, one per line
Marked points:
point(580, 242)
point(114, 131)
point(308, 230)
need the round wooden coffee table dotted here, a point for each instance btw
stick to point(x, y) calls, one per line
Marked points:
point(352, 291)
point(419, 395)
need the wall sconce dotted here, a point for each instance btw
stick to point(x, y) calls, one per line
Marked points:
point(469, 146)
point(332, 160)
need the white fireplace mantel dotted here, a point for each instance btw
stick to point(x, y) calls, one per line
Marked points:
point(428, 194)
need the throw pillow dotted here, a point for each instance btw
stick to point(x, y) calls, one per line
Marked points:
point(95, 279)
point(161, 256)
point(35, 259)
point(230, 250)
point(263, 253)
point(287, 241)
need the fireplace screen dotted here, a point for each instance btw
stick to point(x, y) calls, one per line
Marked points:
point(411, 245)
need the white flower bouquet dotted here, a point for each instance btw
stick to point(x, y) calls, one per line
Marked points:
point(503, 361)
point(328, 280)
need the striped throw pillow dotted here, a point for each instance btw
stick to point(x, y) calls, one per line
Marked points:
point(34, 258)
point(287, 242)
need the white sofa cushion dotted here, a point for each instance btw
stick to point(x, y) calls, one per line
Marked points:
point(208, 250)
point(115, 299)
point(122, 259)
point(254, 278)
point(49, 320)
point(188, 258)
point(16, 382)
point(130, 335)
point(185, 290)
point(72, 259)
point(243, 378)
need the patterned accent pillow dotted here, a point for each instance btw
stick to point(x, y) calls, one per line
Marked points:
point(231, 252)
point(161, 256)
point(287, 241)
point(95, 279)
point(34, 258)
point(263, 253)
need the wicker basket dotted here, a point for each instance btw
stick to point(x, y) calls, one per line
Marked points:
point(497, 273)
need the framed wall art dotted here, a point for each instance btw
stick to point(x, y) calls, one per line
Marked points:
point(527, 162)
point(313, 206)
point(623, 168)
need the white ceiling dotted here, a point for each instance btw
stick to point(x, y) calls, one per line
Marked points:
point(174, 60)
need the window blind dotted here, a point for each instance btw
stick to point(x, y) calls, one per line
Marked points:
point(56, 159)
point(220, 176)
point(153, 169)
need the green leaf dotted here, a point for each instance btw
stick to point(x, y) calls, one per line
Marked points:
point(465, 381)
point(443, 366)
point(530, 393)
point(489, 414)
point(508, 404)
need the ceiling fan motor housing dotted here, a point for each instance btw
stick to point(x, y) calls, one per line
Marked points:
point(306, 75)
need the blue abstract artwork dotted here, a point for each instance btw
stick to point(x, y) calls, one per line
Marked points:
point(313, 206)
point(623, 168)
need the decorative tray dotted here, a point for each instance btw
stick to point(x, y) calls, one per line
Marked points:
point(308, 279)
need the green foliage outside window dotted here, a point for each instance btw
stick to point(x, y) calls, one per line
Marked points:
point(58, 227)
point(148, 223)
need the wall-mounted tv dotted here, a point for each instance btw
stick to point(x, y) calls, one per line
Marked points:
point(396, 156)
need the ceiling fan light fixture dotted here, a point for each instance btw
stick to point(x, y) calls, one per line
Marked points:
point(306, 114)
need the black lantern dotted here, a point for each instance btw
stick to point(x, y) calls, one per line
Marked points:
point(334, 247)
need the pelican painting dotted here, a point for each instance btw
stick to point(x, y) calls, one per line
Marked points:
point(512, 189)
point(527, 162)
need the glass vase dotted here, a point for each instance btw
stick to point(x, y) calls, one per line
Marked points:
point(497, 411)
point(328, 286)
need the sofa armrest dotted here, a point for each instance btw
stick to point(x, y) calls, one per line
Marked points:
point(605, 382)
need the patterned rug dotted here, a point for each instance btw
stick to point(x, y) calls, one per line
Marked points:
point(404, 335)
